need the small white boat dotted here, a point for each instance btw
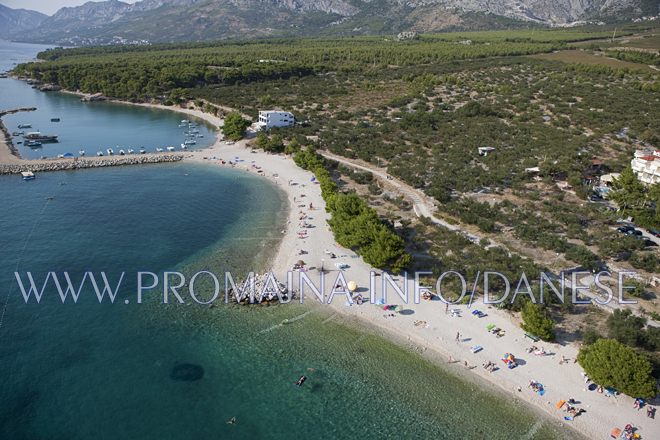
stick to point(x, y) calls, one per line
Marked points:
point(200, 135)
point(142, 151)
point(110, 151)
point(122, 153)
point(24, 125)
point(185, 121)
point(190, 142)
point(27, 175)
point(60, 156)
point(130, 151)
point(99, 153)
point(81, 152)
point(159, 150)
point(184, 146)
point(170, 148)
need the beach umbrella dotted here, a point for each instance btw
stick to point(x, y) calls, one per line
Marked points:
point(352, 286)
point(300, 263)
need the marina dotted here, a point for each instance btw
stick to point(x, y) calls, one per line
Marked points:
point(65, 124)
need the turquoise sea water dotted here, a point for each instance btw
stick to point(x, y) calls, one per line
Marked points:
point(103, 371)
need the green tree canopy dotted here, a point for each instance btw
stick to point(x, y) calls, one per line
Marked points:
point(612, 364)
point(626, 328)
point(235, 126)
point(536, 322)
point(636, 199)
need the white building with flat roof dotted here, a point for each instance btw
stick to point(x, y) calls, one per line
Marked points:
point(647, 166)
point(274, 118)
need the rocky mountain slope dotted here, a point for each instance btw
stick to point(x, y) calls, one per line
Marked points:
point(15, 21)
point(175, 20)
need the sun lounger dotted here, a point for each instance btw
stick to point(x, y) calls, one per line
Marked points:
point(479, 313)
point(532, 337)
point(476, 348)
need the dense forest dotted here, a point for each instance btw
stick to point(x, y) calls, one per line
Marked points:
point(143, 72)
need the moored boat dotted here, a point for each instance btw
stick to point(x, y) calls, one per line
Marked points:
point(24, 125)
point(81, 152)
point(110, 151)
point(142, 151)
point(28, 175)
point(37, 136)
point(54, 119)
point(99, 153)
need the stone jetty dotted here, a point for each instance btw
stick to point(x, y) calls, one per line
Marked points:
point(87, 162)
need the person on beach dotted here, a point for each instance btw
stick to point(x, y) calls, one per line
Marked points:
point(446, 308)
point(458, 336)
point(650, 412)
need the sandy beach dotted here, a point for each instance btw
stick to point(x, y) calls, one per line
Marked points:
point(426, 325)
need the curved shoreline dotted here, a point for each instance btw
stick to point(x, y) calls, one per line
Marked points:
point(436, 339)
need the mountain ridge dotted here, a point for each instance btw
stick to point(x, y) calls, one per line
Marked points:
point(14, 21)
point(178, 20)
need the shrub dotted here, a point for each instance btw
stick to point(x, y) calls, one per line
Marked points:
point(626, 328)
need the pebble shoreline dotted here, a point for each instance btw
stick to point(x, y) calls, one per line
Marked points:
point(81, 163)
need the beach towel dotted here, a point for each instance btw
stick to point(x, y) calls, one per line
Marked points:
point(560, 404)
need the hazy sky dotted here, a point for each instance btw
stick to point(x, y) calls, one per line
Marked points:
point(46, 6)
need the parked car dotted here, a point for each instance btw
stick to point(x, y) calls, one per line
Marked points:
point(625, 229)
point(654, 232)
point(649, 243)
point(634, 231)
point(595, 197)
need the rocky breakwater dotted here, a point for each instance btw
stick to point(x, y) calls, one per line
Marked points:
point(87, 162)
